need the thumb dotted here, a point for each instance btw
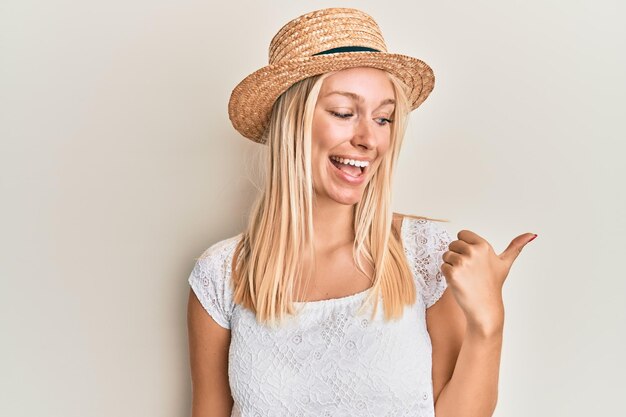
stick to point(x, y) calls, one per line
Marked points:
point(515, 247)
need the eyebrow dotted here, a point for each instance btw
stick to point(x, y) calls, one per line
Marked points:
point(358, 98)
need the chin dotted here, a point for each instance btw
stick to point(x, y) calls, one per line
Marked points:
point(348, 200)
point(340, 193)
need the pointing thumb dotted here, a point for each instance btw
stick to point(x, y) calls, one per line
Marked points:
point(516, 246)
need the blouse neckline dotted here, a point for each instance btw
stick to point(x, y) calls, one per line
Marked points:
point(336, 300)
point(344, 299)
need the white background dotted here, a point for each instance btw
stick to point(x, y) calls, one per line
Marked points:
point(119, 166)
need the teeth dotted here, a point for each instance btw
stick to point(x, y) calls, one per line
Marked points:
point(350, 161)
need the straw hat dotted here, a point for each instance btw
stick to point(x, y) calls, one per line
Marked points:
point(314, 43)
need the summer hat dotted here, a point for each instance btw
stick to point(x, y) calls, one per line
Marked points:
point(318, 42)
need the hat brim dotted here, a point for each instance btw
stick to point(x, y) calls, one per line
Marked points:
point(252, 99)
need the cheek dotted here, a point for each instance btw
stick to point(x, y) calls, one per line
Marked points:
point(384, 148)
point(384, 145)
point(329, 131)
point(322, 134)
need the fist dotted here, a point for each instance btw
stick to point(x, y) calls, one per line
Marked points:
point(476, 275)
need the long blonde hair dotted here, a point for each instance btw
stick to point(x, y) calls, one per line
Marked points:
point(268, 258)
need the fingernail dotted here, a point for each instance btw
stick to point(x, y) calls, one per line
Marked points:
point(532, 238)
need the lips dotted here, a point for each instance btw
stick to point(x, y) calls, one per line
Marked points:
point(361, 160)
point(347, 178)
point(349, 169)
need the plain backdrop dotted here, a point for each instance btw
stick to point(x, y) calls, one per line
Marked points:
point(119, 166)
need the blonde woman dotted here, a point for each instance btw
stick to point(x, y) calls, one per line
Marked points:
point(329, 304)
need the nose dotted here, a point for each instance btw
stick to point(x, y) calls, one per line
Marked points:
point(364, 134)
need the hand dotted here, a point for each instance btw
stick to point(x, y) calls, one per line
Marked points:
point(476, 275)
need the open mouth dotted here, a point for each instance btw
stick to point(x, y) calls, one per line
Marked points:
point(349, 168)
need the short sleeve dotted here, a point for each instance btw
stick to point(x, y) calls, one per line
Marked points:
point(210, 281)
point(425, 243)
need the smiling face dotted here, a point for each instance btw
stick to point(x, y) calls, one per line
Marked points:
point(351, 132)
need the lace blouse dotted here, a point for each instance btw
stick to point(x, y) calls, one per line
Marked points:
point(327, 361)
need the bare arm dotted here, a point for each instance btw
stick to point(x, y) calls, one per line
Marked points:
point(208, 354)
point(464, 385)
point(475, 274)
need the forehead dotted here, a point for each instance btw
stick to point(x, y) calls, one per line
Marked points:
point(370, 83)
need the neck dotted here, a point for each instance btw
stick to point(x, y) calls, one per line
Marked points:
point(333, 224)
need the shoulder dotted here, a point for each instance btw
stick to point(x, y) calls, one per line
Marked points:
point(425, 241)
point(219, 253)
point(210, 279)
point(215, 263)
point(425, 233)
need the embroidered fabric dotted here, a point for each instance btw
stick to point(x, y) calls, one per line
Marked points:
point(327, 360)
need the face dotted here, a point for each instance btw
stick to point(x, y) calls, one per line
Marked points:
point(351, 129)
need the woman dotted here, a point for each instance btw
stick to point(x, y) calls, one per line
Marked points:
point(329, 304)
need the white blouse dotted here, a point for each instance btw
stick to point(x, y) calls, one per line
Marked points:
point(327, 361)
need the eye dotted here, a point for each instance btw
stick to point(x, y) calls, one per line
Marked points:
point(341, 115)
point(385, 121)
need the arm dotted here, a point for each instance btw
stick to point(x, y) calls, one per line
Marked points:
point(475, 274)
point(208, 354)
point(466, 361)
